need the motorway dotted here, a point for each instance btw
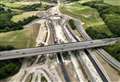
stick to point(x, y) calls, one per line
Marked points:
point(106, 56)
point(100, 54)
point(36, 69)
point(56, 48)
point(91, 70)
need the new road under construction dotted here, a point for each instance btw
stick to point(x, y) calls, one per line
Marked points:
point(64, 55)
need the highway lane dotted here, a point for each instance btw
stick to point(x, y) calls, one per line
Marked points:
point(105, 55)
point(75, 64)
point(23, 76)
point(72, 38)
point(64, 70)
point(92, 55)
point(101, 71)
point(56, 48)
point(60, 38)
point(73, 58)
point(87, 64)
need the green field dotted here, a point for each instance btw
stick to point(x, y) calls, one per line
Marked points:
point(19, 39)
point(17, 4)
point(13, 5)
point(112, 2)
point(24, 15)
point(87, 15)
point(25, 6)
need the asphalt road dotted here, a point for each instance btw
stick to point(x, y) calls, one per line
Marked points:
point(56, 48)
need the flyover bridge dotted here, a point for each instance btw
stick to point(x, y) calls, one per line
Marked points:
point(57, 48)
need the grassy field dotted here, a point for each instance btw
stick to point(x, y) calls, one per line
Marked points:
point(19, 39)
point(17, 4)
point(84, 1)
point(113, 2)
point(87, 15)
point(22, 16)
point(13, 5)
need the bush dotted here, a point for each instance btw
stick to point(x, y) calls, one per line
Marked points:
point(113, 23)
point(31, 7)
point(95, 34)
point(8, 67)
point(8, 47)
point(43, 79)
point(5, 19)
point(71, 22)
point(25, 21)
point(110, 14)
point(103, 8)
point(114, 50)
point(7, 25)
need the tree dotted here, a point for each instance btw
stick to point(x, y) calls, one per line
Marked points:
point(113, 23)
point(95, 34)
